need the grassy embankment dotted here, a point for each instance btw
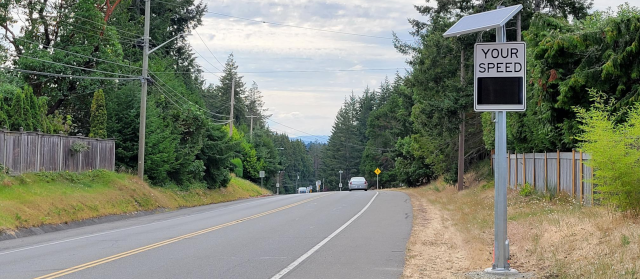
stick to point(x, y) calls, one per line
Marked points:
point(553, 237)
point(53, 198)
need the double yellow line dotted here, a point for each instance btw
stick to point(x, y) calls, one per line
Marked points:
point(169, 241)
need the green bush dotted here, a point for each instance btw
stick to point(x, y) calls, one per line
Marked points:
point(237, 162)
point(527, 190)
point(614, 146)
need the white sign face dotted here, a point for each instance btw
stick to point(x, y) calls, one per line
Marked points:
point(340, 185)
point(261, 173)
point(277, 185)
point(499, 76)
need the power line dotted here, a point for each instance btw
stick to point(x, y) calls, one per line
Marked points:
point(301, 71)
point(76, 67)
point(205, 59)
point(205, 44)
point(63, 75)
point(162, 92)
point(154, 75)
point(125, 40)
point(122, 36)
point(137, 36)
point(77, 54)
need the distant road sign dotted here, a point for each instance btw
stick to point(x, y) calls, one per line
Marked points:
point(277, 185)
point(340, 185)
point(261, 173)
point(377, 171)
point(499, 77)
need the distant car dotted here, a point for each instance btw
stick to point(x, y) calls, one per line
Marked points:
point(358, 183)
point(302, 190)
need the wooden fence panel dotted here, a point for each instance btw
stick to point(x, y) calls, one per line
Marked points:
point(13, 153)
point(548, 171)
point(3, 151)
point(107, 155)
point(539, 172)
point(50, 153)
point(30, 150)
point(552, 171)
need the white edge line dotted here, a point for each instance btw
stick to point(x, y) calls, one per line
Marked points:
point(323, 242)
point(123, 229)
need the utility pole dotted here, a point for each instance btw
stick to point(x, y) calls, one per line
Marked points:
point(251, 129)
point(233, 84)
point(143, 94)
point(462, 131)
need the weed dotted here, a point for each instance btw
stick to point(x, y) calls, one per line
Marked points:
point(527, 190)
point(19, 219)
point(625, 240)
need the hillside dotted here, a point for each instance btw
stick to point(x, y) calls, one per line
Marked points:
point(53, 198)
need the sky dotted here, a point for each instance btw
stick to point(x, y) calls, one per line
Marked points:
point(306, 101)
point(309, 101)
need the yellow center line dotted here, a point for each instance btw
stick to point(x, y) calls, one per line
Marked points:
point(169, 241)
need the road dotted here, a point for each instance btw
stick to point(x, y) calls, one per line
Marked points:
point(317, 235)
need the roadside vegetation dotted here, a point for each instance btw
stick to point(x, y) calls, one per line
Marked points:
point(550, 236)
point(60, 197)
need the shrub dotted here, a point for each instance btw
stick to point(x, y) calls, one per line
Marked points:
point(614, 146)
point(237, 162)
point(527, 190)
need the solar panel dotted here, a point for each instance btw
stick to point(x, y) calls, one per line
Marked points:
point(483, 21)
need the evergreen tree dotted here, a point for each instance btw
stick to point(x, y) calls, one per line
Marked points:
point(98, 116)
point(255, 106)
point(218, 98)
point(19, 114)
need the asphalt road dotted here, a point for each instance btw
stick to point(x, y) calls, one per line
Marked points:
point(318, 235)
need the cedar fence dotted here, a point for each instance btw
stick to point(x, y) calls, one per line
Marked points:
point(552, 172)
point(23, 152)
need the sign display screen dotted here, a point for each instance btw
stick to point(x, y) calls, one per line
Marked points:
point(491, 91)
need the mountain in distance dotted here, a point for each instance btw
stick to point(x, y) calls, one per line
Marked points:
point(312, 139)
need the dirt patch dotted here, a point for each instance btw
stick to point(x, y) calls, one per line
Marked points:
point(435, 249)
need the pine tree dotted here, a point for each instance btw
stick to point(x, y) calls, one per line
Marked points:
point(98, 116)
point(255, 106)
point(217, 98)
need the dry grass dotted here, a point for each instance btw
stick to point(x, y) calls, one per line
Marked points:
point(53, 198)
point(554, 238)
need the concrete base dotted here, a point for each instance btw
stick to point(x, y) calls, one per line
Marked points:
point(501, 272)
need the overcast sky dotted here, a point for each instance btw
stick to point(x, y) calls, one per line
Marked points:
point(306, 101)
point(309, 101)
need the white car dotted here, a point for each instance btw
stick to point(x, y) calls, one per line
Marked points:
point(302, 190)
point(358, 183)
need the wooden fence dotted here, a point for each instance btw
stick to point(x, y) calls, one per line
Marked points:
point(23, 152)
point(554, 172)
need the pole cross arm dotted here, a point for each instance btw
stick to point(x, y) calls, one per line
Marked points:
point(179, 35)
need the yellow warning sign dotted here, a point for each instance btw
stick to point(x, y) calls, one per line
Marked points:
point(377, 171)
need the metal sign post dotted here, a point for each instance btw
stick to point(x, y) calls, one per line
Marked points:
point(261, 179)
point(498, 89)
point(377, 171)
